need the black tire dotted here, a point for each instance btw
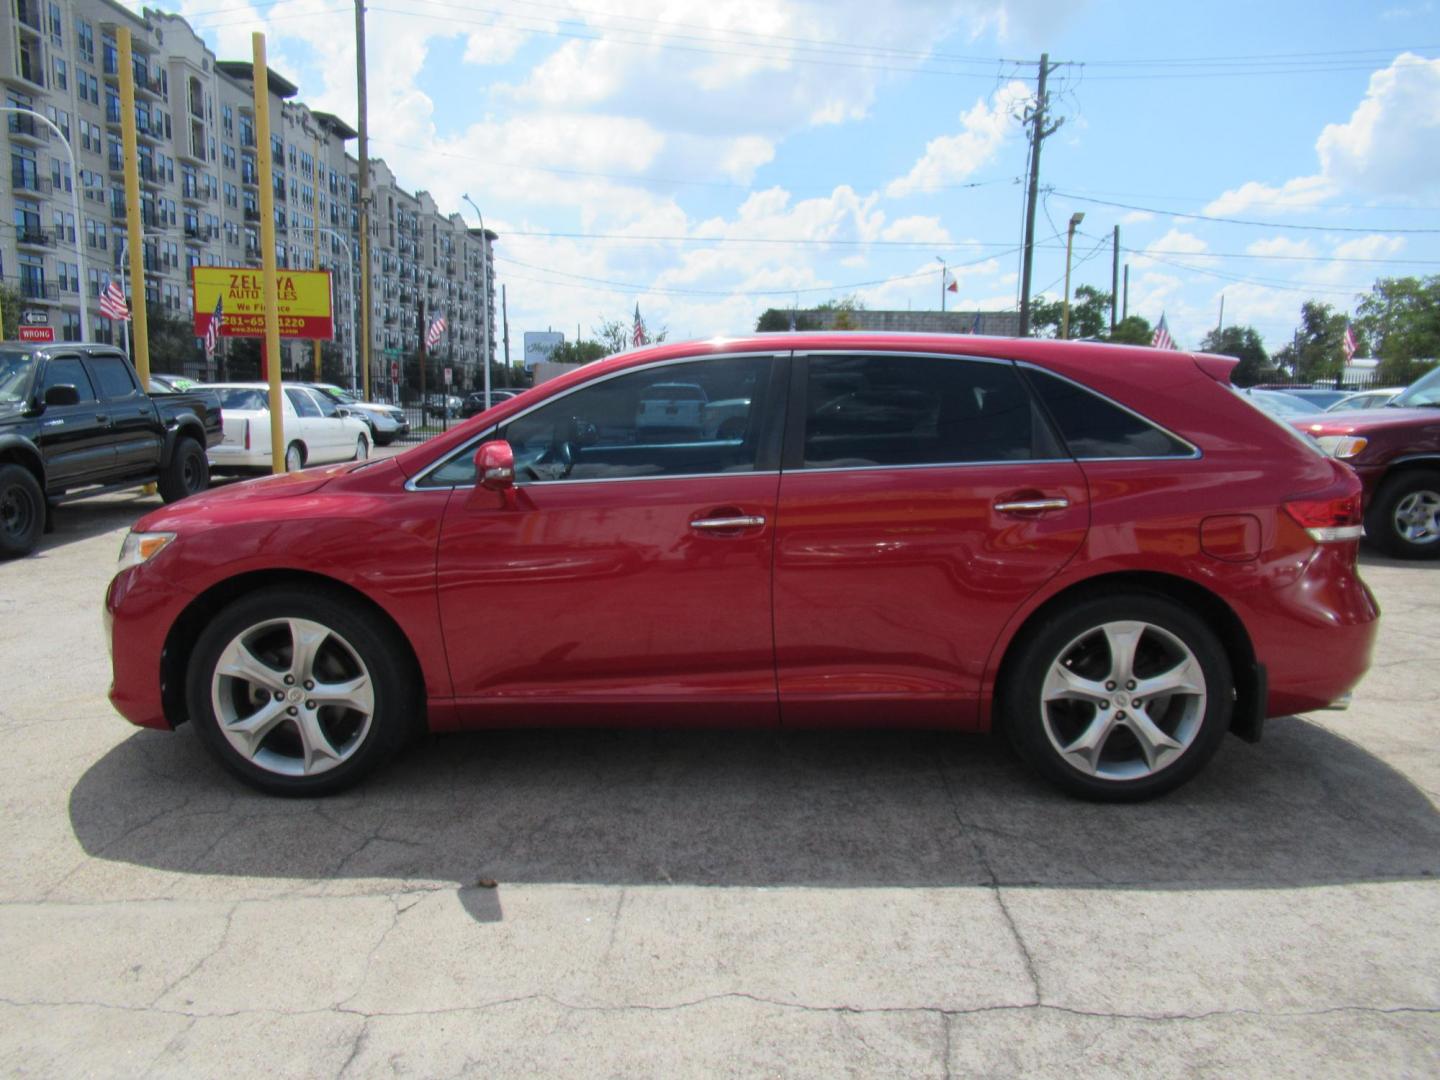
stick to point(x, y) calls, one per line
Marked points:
point(362, 448)
point(1406, 495)
point(294, 457)
point(356, 635)
point(188, 472)
point(22, 511)
point(1122, 771)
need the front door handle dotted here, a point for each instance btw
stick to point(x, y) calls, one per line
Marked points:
point(1031, 506)
point(751, 521)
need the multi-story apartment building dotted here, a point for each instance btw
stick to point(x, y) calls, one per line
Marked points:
point(200, 189)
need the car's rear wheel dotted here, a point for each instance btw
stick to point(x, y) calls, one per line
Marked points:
point(294, 457)
point(1118, 698)
point(300, 692)
point(362, 448)
point(1403, 519)
point(188, 472)
point(22, 511)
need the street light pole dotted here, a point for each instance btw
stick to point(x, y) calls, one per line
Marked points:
point(484, 296)
point(75, 208)
point(1075, 220)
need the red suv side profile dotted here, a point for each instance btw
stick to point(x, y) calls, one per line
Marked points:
point(1104, 551)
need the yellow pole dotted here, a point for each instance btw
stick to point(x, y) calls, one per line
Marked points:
point(315, 235)
point(269, 288)
point(135, 241)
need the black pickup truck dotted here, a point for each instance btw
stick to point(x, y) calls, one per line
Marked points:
point(75, 422)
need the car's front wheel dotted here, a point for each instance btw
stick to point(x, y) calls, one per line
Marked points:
point(1118, 698)
point(1403, 519)
point(300, 692)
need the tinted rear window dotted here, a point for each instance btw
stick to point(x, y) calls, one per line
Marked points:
point(113, 375)
point(914, 410)
point(1096, 428)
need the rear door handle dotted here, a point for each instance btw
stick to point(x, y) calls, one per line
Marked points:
point(1022, 506)
point(753, 521)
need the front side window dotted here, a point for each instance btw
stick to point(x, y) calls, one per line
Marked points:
point(881, 410)
point(68, 371)
point(1093, 427)
point(639, 425)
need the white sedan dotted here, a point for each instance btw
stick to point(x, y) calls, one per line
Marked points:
point(317, 430)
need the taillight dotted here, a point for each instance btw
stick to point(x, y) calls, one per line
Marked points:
point(1329, 521)
point(247, 434)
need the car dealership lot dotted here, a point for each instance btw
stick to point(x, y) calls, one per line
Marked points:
point(680, 903)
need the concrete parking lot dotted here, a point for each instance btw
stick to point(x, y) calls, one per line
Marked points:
point(707, 903)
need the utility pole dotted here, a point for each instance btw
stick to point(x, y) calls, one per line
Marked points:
point(1114, 280)
point(366, 287)
point(1039, 131)
point(505, 323)
point(1125, 309)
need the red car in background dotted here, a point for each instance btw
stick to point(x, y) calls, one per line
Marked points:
point(1104, 551)
point(1395, 449)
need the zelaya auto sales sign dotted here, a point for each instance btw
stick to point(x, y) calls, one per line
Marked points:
point(303, 302)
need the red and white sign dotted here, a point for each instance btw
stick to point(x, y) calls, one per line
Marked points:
point(394, 371)
point(37, 333)
point(448, 373)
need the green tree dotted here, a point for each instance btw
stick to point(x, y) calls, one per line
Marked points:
point(1133, 330)
point(1090, 314)
point(172, 342)
point(1243, 343)
point(778, 320)
point(1315, 353)
point(10, 306)
point(1045, 317)
point(617, 334)
point(1400, 321)
point(845, 309)
point(578, 352)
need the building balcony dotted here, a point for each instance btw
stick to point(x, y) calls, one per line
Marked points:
point(24, 128)
point(192, 192)
point(35, 185)
point(34, 238)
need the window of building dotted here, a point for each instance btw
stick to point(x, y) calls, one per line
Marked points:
point(62, 74)
point(85, 40)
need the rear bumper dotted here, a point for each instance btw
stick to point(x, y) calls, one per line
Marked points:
point(1315, 632)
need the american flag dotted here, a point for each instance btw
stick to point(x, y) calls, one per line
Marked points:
point(212, 331)
point(1162, 338)
point(112, 301)
point(1351, 346)
point(432, 336)
point(639, 336)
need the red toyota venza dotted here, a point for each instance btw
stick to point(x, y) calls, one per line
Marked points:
point(1104, 551)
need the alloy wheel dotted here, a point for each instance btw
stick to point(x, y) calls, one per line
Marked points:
point(1417, 517)
point(1123, 700)
point(292, 696)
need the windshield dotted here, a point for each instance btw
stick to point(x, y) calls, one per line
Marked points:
point(342, 396)
point(1423, 391)
point(15, 371)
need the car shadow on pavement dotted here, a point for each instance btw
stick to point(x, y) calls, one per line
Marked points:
point(836, 809)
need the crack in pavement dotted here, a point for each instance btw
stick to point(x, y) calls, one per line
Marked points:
point(758, 999)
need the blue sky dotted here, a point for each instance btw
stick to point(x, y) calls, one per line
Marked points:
point(709, 158)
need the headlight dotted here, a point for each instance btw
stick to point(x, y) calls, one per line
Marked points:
point(142, 547)
point(1343, 447)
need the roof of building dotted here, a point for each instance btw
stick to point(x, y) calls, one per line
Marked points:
point(335, 124)
point(280, 86)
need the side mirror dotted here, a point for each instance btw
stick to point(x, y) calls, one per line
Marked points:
point(64, 394)
point(495, 466)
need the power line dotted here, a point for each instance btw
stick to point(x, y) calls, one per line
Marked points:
point(1241, 221)
point(927, 245)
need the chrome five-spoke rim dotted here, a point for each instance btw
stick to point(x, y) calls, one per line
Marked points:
point(1123, 701)
point(1417, 517)
point(292, 696)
